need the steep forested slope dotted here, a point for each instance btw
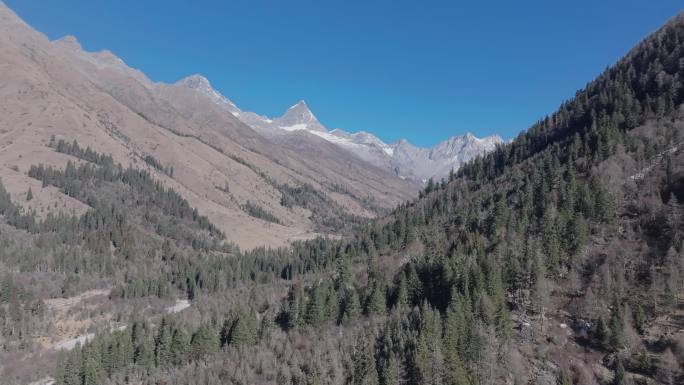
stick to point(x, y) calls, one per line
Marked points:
point(555, 259)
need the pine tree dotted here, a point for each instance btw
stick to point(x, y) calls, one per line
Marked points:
point(244, 330)
point(576, 234)
point(644, 362)
point(619, 377)
point(180, 346)
point(616, 326)
point(29, 195)
point(204, 341)
point(351, 306)
point(293, 308)
point(125, 349)
point(363, 361)
point(265, 328)
point(390, 372)
point(402, 299)
point(144, 356)
point(162, 343)
point(344, 272)
point(428, 360)
point(315, 309)
point(376, 303)
point(639, 318)
point(69, 372)
point(453, 341)
point(601, 333)
point(413, 285)
point(502, 319)
point(91, 371)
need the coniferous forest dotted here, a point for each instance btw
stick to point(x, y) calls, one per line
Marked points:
point(555, 259)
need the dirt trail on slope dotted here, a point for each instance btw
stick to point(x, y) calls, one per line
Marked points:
point(70, 343)
point(62, 304)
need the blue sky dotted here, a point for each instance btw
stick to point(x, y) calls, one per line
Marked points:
point(423, 70)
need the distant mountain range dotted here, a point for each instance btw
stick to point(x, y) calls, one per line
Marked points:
point(402, 158)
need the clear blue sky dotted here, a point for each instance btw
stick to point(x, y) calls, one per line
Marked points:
point(423, 70)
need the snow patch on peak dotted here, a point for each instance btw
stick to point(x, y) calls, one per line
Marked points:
point(294, 127)
point(340, 132)
point(299, 105)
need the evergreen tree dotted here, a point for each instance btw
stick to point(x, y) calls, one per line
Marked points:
point(376, 303)
point(616, 326)
point(351, 306)
point(204, 341)
point(428, 359)
point(265, 328)
point(619, 378)
point(644, 362)
point(244, 330)
point(639, 318)
point(390, 372)
point(180, 346)
point(91, 370)
point(293, 308)
point(162, 343)
point(402, 299)
point(454, 341)
point(601, 334)
point(363, 361)
point(315, 308)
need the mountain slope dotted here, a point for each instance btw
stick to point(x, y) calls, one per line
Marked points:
point(55, 89)
point(555, 259)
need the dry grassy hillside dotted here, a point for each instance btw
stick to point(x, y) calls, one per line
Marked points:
point(53, 90)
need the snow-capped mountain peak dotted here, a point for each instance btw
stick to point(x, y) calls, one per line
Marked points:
point(299, 117)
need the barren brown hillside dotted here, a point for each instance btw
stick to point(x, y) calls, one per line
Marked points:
point(54, 90)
